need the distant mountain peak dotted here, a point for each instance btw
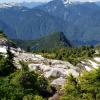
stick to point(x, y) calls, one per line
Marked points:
point(48, 42)
point(7, 5)
point(53, 40)
point(22, 4)
point(66, 2)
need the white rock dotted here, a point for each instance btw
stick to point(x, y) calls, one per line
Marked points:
point(3, 49)
point(72, 72)
point(83, 62)
point(54, 72)
point(97, 52)
point(94, 65)
point(88, 68)
point(59, 81)
point(33, 67)
point(14, 52)
point(97, 59)
point(39, 56)
point(45, 68)
point(41, 67)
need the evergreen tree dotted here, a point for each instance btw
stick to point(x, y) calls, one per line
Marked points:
point(6, 64)
point(86, 87)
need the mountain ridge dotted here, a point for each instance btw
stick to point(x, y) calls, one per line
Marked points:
point(21, 4)
point(48, 42)
point(77, 22)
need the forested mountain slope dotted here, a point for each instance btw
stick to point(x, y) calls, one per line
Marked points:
point(78, 21)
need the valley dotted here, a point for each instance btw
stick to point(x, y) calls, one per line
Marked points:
point(77, 18)
point(50, 50)
point(53, 73)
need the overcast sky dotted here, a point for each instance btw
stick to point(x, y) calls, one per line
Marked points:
point(2, 1)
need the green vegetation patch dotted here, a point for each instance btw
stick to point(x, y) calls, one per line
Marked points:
point(71, 54)
point(85, 87)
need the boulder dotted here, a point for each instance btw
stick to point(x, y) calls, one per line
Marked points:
point(59, 81)
point(3, 49)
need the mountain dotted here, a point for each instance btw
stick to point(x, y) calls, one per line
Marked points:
point(22, 4)
point(31, 4)
point(78, 21)
point(4, 41)
point(7, 5)
point(10, 31)
point(29, 23)
point(52, 41)
point(98, 3)
point(81, 19)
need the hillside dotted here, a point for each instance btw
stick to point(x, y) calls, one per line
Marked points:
point(81, 19)
point(2, 35)
point(32, 24)
point(52, 41)
point(26, 75)
point(4, 41)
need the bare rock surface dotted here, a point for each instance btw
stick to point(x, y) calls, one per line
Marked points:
point(55, 70)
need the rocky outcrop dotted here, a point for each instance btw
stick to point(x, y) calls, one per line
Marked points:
point(3, 49)
point(55, 70)
point(59, 81)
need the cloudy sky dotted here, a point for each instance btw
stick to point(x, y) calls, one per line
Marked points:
point(2, 1)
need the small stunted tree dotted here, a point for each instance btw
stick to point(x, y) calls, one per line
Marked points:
point(72, 89)
point(32, 82)
point(6, 64)
point(2, 35)
point(86, 88)
point(24, 66)
point(90, 84)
